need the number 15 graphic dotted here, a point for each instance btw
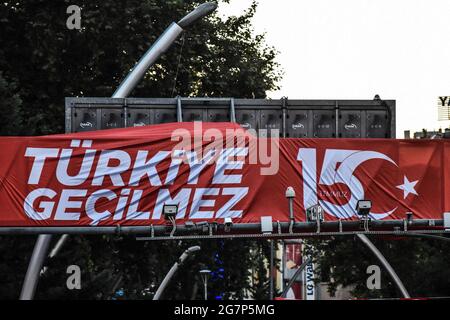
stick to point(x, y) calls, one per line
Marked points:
point(331, 174)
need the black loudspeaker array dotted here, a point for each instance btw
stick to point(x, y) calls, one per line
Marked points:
point(293, 118)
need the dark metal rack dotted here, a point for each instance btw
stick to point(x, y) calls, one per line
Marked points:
point(293, 118)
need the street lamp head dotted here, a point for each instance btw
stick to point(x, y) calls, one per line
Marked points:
point(205, 272)
point(196, 14)
point(290, 192)
point(193, 249)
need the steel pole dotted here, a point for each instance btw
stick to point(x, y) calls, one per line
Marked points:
point(58, 246)
point(55, 250)
point(156, 50)
point(271, 289)
point(205, 288)
point(385, 263)
point(173, 270)
point(294, 277)
point(283, 263)
point(34, 267)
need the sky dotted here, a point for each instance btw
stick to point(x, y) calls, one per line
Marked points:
point(354, 49)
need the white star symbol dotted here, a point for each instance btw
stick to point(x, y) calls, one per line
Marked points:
point(408, 187)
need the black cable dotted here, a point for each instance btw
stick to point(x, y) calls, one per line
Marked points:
point(178, 64)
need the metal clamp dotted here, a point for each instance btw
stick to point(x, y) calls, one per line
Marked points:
point(366, 222)
point(179, 110)
point(125, 112)
point(283, 108)
point(232, 111)
point(336, 129)
point(174, 227)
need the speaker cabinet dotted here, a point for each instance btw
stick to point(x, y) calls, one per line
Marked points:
point(165, 115)
point(246, 118)
point(270, 120)
point(298, 124)
point(324, 123)
point(191, 115)
point(218, 115)
point(84, 119)
point(377, 124)
point(138, 117)
point(350, 124)
point(112, 118)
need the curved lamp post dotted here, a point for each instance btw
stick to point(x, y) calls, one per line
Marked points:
point(173, 270)
point(156, 50)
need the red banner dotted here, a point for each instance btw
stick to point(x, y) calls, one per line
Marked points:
point(213, 171)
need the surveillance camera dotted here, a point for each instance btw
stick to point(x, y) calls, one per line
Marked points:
point(363, 207)
point(228, 222)
point(170, 211)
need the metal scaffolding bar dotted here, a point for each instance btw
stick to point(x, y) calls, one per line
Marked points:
point(393, 226)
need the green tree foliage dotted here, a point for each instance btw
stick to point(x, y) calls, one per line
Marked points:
point(50, 62)
point(42, 62)
point(420, 264)
point(10, 106)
